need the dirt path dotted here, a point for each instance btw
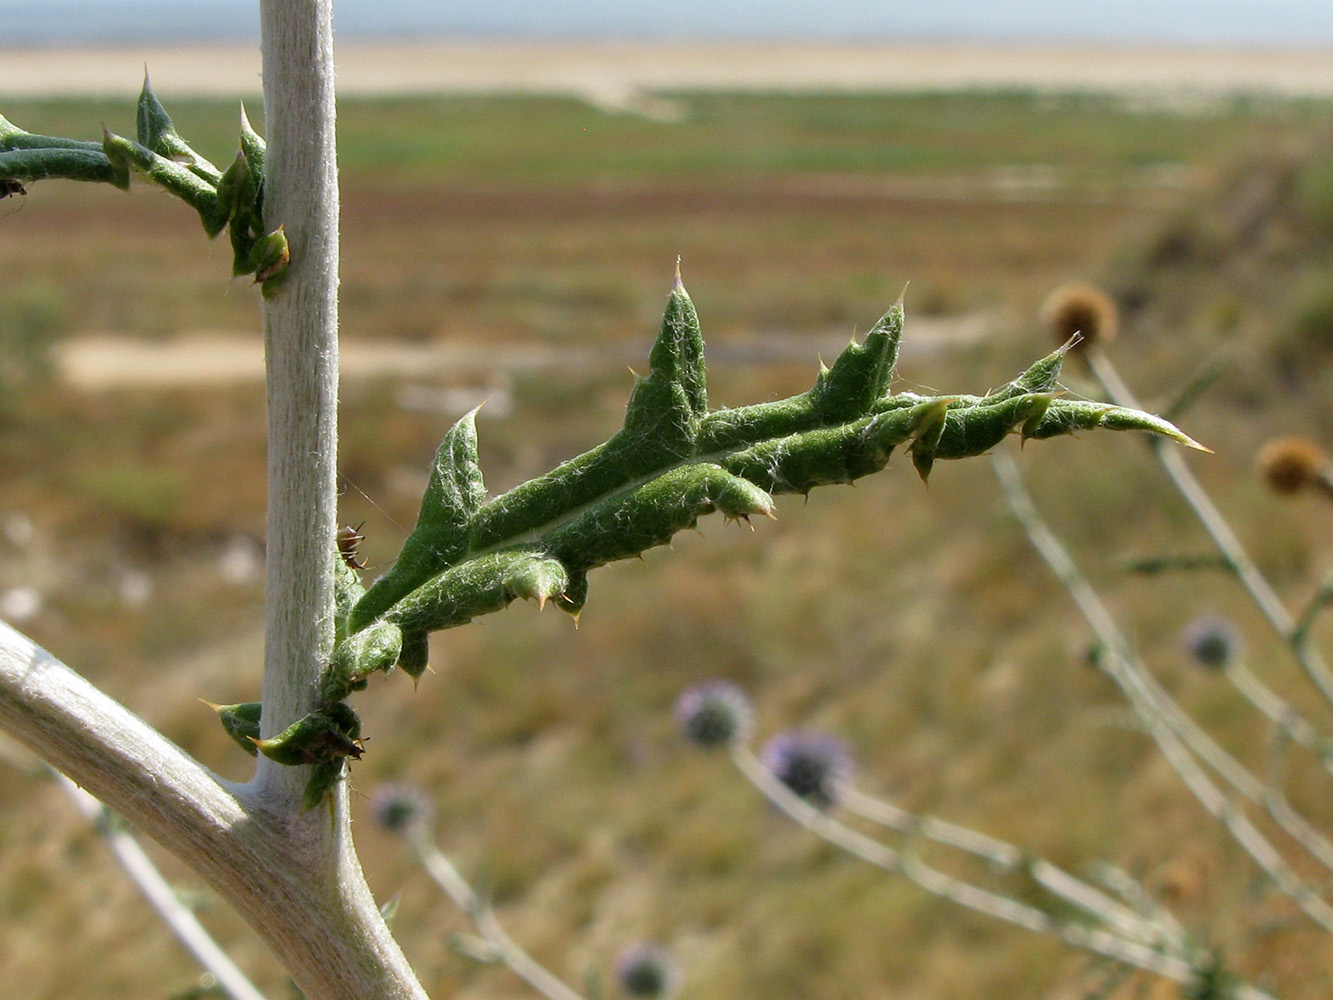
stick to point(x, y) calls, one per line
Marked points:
point(98, 362)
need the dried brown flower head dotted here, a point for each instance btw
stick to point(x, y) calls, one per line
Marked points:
point(1083, 310)
point(1292, 464)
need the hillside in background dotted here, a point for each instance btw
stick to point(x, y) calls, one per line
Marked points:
point(914, 623)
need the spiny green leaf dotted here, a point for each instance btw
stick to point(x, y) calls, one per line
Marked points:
point(537, 580)
point(862, 372)
point(927, 440)
point(156, 130)
point(476, 587)
point(852, 388)
point(1040, 377)
point(241, 723)
point(575, 596)
point(660, 429)
point(413, 660)
point(649, 514)
point(236, 187)
point(256, 154)
point(239, 192)
point(13, 137)
point(975, 430)
point(453, 496)
point(326, 734)
point(192, 189)
point(797, 463)
point(324, 777)
point(269, 259)
point(678, 353)
point(355, 658)
point(1064, 416)
point(27, 164)
point(672, 463)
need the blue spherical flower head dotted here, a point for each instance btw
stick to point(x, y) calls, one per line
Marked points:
point(646, 970)
point(401, 809)
point(714, 714)
point(1212, 641)
point(814, 766)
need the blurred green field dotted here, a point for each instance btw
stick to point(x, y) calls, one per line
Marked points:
point(916, 623)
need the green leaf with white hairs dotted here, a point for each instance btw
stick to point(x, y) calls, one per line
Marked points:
point(232, 199)
point(12, 138)
point(241, 723)
point(155, 129)
point(862, 372)
point(1039, 377)
point(677, 357)
point(356, 657)
point(473, 588)
point(180, 180)
point(673, 462)
point(255, 149)
point(26, 164)
point(415, 656)
point(823, 456)
point(1065, 416)
point(453, 497)
point(629, 523)
point(977, 428)
point(329, 733)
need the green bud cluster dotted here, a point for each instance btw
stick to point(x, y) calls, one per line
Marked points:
point(232, 199)
point(324, 739)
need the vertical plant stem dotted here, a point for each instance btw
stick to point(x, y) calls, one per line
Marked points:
point(301, 350)
point(301, 354)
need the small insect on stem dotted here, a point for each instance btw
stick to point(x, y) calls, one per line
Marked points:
point(348, 539)
point(9, 186)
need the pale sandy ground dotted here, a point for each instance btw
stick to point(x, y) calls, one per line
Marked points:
point(107, 361)
point(612, 73)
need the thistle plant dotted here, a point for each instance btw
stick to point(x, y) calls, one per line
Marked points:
point(673, 462)
point(279, 846)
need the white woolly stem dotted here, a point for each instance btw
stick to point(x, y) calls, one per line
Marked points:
point(288, 874)
point(301, 354)
point(301, 350)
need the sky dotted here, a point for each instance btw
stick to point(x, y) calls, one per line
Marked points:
point(1252, 22)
